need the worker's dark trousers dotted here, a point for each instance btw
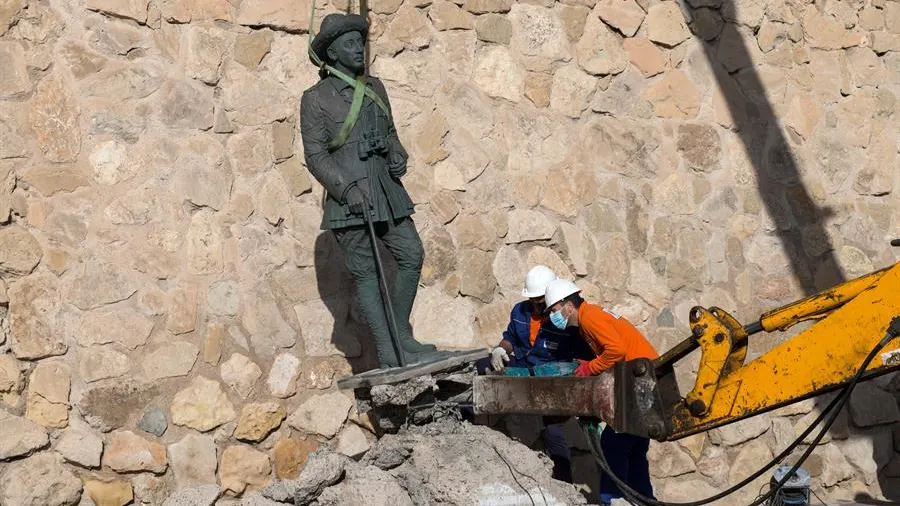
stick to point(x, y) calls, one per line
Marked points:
point(402, 240)
point(558, 449)
point(627, 458)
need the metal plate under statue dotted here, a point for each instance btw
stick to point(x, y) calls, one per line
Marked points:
point(352, 148)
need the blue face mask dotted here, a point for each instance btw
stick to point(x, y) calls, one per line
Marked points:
point(558, 320)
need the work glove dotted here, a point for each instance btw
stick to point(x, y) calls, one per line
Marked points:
point(357, 200)
point(499, 357)
point(584, 369)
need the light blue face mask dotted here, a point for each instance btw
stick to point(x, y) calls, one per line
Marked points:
point(558, 320)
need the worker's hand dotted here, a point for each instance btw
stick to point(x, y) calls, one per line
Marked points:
point(499, 358)
point(584, 369)
point(357, 200)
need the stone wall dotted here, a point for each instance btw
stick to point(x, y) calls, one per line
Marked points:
point(172, 316)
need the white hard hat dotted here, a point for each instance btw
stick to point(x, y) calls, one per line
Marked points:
point(536, 281)
point(559, 290)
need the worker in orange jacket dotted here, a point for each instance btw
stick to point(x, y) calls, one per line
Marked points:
point(613, 339)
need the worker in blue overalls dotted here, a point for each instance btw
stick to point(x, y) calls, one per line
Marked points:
point(530, 340)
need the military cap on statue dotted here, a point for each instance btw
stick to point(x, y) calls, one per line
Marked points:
point(333, 26)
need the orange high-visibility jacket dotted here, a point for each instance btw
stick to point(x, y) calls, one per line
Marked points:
point(612, 337)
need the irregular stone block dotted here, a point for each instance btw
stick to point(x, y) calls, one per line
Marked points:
point(187, 106)
point(108, 407)
point(352, 441)
point(600, 50)
point(206, 49)
point(447, 16)
point(19, 252)
point(498, 74)
point(257, 420)
point(123, 83)
point(36, 328)
point(665, 24)
point(526, 225)
point(253, 100)
point(539, 32)
point(153, 421)
point(625, 16)
point(321, 414)
point(194, 461)
point(291, 455)
point(39, 481)
point(128, 452)
point(477, 276)
point(243, 468)
point(262, 318)
point(120, 324)
point(644, 55)
point(102, 362)
point(282, 379)
point(205, 244)
point(109, 493)
point(15, 80)
point(170, 360)
point(48, 395)
point(202, 405)
point(325, 328)
point(674, 96)
point(10, 374)
point(250, 49)
point(99, 283)
point(435, 312)
point(240, 374)
point(80, 447)
point(20, 436)
point(54, 120)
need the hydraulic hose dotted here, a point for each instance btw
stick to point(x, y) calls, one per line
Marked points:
point(834, 408)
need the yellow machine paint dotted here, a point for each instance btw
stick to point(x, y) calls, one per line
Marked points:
point(852, 318)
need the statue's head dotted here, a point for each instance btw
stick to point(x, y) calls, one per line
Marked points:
point(341, 41)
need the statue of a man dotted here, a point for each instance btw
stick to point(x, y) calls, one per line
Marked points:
point(354, 151)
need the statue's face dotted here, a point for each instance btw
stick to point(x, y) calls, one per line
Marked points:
point(349, 50)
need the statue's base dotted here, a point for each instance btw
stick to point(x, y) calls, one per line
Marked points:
point(393, 375)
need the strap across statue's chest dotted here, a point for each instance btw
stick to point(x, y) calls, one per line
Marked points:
point(362, 95)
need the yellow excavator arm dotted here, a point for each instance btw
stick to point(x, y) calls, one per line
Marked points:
point(642, 396)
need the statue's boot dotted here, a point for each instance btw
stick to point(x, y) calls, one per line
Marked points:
point(410, 345)
point(426, 356)
point(384, 349)
point(404, 293)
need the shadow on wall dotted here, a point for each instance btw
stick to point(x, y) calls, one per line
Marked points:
point(781, 189)
point(350, 334)
point(780, 185)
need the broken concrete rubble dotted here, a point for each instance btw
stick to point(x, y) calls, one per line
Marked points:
point(414, 468)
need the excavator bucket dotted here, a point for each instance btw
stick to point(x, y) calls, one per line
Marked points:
point(625, 397)
point(549, 396)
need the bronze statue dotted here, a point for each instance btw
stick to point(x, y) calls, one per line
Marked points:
point(352, 148)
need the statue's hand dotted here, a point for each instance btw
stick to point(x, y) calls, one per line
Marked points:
point(357, 200)
point(396, 166)
point(397, 159)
